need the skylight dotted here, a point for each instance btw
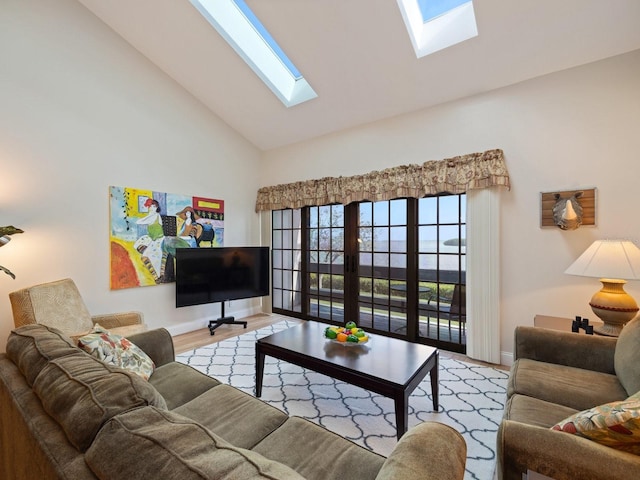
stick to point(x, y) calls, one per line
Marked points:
point(431, 9)
point(434, 25)
point(237, 24)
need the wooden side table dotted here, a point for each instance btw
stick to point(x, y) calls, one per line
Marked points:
point(559, 323)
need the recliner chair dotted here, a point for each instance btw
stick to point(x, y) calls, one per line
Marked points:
point(59, 305)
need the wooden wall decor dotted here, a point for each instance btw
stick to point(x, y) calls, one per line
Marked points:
point(587, 201)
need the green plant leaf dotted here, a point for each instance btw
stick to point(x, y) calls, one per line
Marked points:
point(8, 272)
point(9, 230)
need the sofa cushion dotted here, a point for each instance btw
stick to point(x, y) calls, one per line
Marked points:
point(173, 446)
point(32, 444)
point(318, 454)
point(534, 411)
point(179, 383)
point(117, 351)
point(31, 347)
point(627, 357)
point(236, 416)
point(615, 424)
point(81, 393)
point(572, 387)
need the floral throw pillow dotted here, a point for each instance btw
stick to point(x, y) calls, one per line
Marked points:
point(117, 351)
point(615, 424)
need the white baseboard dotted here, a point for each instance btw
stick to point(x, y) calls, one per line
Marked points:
point(187, 327)
point(506, 358)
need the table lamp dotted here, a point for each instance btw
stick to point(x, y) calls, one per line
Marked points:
point(613, 261)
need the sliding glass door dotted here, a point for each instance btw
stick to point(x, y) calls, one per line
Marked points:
point(442, 269)
point(325, 265)
point(395, 267)
point(286, 261)
point(382, 253)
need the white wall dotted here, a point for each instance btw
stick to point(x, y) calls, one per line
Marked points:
point(572, 129)
point(81, 110)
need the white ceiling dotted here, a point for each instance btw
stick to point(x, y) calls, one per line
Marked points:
point(358, 57)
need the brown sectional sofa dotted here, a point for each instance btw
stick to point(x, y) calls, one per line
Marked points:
point(555, 375)
point(66, 415)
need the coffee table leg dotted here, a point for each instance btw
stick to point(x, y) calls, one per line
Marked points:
point(259, 369)
point(401, 401)
point(434, 382)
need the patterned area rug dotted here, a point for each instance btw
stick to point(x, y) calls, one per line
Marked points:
point(471, 398)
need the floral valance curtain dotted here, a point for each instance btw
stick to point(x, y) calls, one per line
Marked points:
point(451, 175)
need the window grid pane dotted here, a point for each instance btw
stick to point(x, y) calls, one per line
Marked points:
point(431, 274)
point(442, 268)
point(285, 257)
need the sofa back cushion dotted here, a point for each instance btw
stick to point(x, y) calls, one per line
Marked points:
point(173, 446)
point(31, 347)
point(81, 393)
point(627, 357)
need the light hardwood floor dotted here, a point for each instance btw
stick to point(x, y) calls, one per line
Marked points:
point(200, 338)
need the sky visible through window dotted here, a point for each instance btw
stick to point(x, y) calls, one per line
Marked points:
point(431, 9)
point(434, 25)
point(268, 38)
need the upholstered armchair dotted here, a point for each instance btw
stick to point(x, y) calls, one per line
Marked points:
point(59, 305)
point(571, 410)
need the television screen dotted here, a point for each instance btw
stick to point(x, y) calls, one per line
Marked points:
point(208, 275)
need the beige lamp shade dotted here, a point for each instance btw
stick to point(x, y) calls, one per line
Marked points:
point(613, 261)
point(608, 259)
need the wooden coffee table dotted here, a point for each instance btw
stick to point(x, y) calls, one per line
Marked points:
point(386, 366)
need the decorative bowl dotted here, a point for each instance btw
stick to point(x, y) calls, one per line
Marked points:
point(350, 344)
point(334, 330)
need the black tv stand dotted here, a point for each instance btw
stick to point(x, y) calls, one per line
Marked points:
point(213, 324)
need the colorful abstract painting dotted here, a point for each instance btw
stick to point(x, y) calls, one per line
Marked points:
point(147, 227)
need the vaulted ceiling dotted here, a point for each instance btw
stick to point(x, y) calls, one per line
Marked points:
point(357, 56)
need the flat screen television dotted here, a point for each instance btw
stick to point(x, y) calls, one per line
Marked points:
point(209, 275)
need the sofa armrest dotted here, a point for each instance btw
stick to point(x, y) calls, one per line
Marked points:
point(590, 352)
point(428, 451)
point(156, 343)
point(114, 320)
point(559, 455)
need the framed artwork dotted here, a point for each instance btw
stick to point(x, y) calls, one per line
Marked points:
point(146, 228)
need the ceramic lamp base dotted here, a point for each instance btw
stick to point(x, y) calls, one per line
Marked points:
point(613, 306)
